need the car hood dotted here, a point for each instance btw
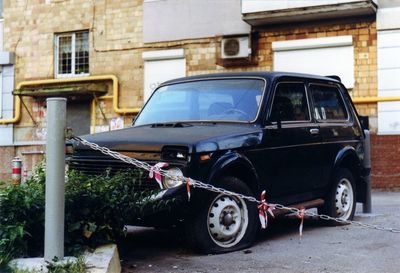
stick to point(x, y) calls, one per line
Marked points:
point(197, 137)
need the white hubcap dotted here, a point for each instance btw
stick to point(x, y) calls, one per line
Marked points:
point(344, 199)
point(227, 220)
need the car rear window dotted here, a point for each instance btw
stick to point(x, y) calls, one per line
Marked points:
point(328, 103)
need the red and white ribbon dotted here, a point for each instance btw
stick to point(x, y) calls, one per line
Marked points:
point(155, 172)
point(263, 210)
point(301, 217)
point(188, 184)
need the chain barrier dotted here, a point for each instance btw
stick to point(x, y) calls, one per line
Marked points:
point(156, 170)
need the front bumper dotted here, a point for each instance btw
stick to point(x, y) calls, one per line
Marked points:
point(165, 208)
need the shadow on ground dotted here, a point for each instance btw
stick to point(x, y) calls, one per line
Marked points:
point(143, 247)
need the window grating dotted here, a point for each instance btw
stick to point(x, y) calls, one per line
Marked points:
point(82, 53)
point(64, 55)
point(72, 54)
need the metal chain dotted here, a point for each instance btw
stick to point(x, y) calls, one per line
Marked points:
point(201, 185)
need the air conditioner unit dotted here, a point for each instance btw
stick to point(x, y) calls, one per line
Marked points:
point(235, 47)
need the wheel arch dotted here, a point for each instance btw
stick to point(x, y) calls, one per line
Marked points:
point(237, 165)
point(347, 158)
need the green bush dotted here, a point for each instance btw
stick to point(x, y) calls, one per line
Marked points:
point(96, 211)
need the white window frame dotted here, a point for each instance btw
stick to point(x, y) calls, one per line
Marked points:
point(56, 54)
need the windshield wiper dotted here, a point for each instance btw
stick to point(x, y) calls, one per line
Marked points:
point(171, 125)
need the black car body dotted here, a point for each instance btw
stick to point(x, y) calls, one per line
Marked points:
point(296, 136)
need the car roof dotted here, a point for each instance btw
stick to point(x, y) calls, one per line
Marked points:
point(259, 74)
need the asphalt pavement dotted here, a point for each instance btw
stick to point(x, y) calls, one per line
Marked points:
point(279, 248)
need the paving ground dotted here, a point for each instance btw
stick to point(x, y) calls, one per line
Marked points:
point(279, 249)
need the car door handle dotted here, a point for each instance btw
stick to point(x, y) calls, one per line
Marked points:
point(314, 131)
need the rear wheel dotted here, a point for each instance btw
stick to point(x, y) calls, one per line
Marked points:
point(341, 202)
point(224, 223)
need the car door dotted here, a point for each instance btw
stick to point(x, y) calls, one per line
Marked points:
point(291, 155)
point(336, 125)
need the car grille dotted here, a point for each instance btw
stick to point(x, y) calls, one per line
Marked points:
point(109, 167)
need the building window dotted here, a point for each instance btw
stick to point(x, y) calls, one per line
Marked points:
point(320, 56)
point(72, 54)
point(160, 66)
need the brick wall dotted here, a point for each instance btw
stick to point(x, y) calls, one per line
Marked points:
point(7, 154)
point(116, 47)
point(385, 155)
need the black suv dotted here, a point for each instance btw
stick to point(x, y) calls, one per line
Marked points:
point(296, 136)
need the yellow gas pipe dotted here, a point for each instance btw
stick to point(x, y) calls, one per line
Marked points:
point(114, 97)
point(364, 100)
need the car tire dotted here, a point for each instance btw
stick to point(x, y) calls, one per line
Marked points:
point(341, 201)
point(223, 223)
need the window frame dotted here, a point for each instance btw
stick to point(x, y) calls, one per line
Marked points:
point(310, 113)
point(339, 89)
point(57, 37)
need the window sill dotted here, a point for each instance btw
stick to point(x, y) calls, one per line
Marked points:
point(66, 76)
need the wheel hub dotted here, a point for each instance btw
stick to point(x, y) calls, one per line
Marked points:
point(344, 199)
point(227, 220)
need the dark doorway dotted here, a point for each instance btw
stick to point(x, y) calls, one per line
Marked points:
point(78, 116)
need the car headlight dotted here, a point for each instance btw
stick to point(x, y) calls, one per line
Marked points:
point(175, 179)
point(174, 153)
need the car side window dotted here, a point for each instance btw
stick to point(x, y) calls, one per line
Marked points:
point(328, 103)
point(290, 103)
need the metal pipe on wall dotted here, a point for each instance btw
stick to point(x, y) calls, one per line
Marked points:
point(115, 95)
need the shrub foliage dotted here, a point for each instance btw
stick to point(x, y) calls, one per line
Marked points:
point(96, 211)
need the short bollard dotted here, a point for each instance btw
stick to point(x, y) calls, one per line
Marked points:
point(16, 164)
point(367, 205)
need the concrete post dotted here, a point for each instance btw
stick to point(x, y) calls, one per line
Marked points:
point(367, 206)
point(55, 179)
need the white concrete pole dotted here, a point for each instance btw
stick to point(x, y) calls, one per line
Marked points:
point(55, 179)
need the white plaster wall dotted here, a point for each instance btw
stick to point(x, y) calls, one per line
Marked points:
point(168, 20)
point(268, 5)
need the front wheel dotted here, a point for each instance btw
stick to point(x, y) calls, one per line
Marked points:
point(224, 223)
point(341, 202)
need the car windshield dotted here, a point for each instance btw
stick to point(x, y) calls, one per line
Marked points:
point(221, 100)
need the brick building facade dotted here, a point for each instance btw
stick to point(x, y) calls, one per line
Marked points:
point(123, 42)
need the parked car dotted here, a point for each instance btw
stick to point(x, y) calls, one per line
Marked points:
point(296, 136)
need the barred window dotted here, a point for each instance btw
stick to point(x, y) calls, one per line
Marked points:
point(72, 54)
